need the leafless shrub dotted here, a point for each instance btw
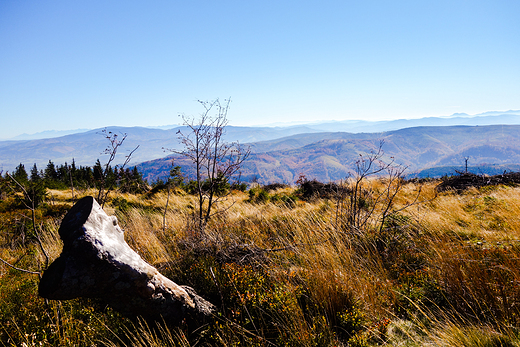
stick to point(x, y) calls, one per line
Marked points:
point(114, 143)
point(216, 162)
point(364, 207)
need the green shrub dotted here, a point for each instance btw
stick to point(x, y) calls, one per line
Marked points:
point(241, 187)
point(284, 199)
point(258, 195)
point(120, 203)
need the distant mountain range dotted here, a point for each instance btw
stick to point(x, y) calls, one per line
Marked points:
point(360, 126)
point(85, 148)
point(351, 126)
point(48, 134)
point(321, 150)
point(332, 156)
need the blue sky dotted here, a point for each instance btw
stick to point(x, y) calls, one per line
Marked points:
point(89, 64)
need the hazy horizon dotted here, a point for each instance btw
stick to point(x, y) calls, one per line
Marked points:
point(56, 133)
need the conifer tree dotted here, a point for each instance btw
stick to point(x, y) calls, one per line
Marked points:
point(50, 174)
point(20, 174)
point(35, 174)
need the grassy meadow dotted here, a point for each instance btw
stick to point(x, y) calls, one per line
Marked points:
point(288, 271)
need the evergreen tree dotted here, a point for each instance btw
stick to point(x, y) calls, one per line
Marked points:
point(33, 191)
point(73, 170)
point(98, 171)
point(131, 181)
point(37, 193)
point(63, 173)
point(84, 177)
point(88, 176)
point(111, 177)
point(35, 174)
point(3, 187)
point(50, 174)
point(20, 174)
point(176, 177)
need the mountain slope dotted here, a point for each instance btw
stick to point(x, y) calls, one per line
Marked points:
point(332, 156)
point(87, 147)
point(282, 153)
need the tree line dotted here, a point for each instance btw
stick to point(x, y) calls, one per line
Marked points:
point(67, 176)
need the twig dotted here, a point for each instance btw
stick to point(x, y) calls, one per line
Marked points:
point(218, 287)
point(17, 268)
point(42, 248)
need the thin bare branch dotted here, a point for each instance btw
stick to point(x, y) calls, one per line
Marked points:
point(19, 269)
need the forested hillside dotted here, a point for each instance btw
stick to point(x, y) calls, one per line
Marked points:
point(332, 156)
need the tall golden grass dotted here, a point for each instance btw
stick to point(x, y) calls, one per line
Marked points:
point(442, 272)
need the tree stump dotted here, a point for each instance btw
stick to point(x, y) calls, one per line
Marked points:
point(96, 262)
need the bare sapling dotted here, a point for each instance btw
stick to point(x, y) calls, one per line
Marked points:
point(215, 161)
point(361, 207)
point(114, 143)
point(31, 200)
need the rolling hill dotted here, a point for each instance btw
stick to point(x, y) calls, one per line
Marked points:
point(332, 156)
point(85, 148)
point(282, 153)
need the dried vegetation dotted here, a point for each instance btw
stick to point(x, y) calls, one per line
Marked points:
point(293, 272)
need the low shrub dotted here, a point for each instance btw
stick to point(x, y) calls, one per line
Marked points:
point(258, 195)
point(313, 189)
point(275, 186)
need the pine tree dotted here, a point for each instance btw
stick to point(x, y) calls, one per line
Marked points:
point(20, 174)
point(35, 174)
point(50, 174)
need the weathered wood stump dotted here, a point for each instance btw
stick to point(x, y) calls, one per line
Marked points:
point(96, 262)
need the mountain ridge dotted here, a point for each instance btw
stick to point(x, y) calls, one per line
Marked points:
point(85, 148)
point(485, 118)
point(334, 156)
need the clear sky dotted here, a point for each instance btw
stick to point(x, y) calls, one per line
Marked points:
point(89, 64)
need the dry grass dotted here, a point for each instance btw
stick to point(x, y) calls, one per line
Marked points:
point(443, 272)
